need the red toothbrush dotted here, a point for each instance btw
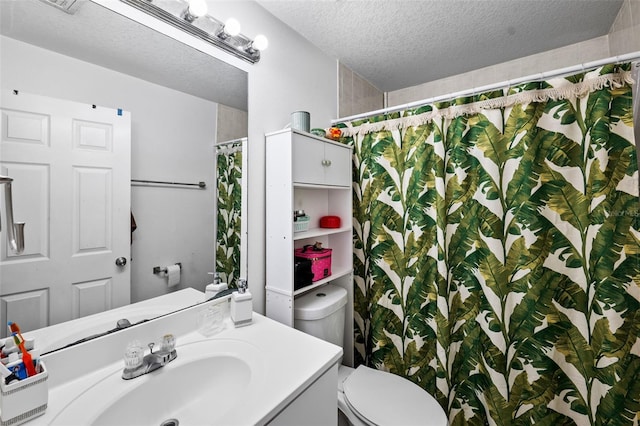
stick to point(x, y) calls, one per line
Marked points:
point(26, 356)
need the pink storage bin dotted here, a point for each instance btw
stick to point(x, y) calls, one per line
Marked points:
point(320, 260)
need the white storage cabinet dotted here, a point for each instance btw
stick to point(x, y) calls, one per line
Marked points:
point(306, 172)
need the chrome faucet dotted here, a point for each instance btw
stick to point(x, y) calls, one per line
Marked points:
point(137, 364)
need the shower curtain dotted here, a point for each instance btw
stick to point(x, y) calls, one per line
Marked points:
point(497, 243)
point(228, 211)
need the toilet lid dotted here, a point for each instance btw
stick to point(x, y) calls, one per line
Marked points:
point(382, 398)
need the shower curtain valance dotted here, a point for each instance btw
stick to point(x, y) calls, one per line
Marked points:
point(555, 89)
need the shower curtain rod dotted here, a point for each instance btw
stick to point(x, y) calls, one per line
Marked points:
point(507, 83)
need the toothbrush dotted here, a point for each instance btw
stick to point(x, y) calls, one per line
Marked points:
point(26, 357)
point(13, 327)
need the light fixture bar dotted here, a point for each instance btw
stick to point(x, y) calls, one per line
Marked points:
point(234, 45)
point(68, 6)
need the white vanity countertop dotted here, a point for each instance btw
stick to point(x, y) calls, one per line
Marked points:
point(288, 361)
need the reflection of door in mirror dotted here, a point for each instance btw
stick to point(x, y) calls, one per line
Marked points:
point(229, 175)
point(71, 168)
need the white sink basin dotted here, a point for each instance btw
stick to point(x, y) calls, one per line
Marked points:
point(206, 382)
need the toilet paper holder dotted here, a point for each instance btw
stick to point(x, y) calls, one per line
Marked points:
point(159, 269)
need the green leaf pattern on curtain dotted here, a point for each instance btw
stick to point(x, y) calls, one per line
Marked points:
point(497, 258)
point(229, 201)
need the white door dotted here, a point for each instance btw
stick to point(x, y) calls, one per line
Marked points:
point(71, 169)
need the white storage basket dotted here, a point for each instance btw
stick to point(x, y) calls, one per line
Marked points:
point(302, 224)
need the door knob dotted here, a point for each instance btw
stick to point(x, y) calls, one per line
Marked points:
point(121, 261)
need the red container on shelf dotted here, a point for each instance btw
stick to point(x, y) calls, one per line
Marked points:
point(330, 222)
point(320, 260)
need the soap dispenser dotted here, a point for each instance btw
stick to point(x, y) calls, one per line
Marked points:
point(241, 305)
point(215, 287)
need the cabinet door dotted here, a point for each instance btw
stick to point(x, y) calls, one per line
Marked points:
point(308, 160)
point(337, 165)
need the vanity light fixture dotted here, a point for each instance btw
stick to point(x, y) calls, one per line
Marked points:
point(68, 6)
point(191, 17)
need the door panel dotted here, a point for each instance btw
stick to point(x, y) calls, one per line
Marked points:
point(91, 297)
point(25, 127)
point(29, 309)
point(92, 210)
point(71, 168)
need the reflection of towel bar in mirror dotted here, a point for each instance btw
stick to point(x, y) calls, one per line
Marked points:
point(158, 269)
point(157, 182)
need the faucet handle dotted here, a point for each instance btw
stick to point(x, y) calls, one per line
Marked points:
point(133, 355)
point(242, 285)
point(168, 343)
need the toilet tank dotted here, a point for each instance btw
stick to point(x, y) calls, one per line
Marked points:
point(321, 312)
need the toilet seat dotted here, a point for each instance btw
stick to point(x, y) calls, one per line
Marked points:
point(381, 398)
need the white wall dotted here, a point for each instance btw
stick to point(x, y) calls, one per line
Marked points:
point(292, 75)
point(172, 137)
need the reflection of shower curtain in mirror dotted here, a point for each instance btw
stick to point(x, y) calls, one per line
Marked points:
point(229, 203)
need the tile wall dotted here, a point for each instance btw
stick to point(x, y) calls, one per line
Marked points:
point(624, 36)
point(356, 95)
point(232, 123)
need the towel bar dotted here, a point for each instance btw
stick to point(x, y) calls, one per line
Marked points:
point(158, 182)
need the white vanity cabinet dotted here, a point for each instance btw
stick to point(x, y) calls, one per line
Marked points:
point(310, 173)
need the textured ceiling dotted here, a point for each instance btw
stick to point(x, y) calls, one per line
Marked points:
point(100, 36)
point(396, 44)
point(392, 43)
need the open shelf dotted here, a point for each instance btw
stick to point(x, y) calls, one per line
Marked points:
point(319, 186)
point(319, 232)
point(334, 276)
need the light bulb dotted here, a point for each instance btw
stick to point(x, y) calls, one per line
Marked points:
point(260, 42)
point(232, 27)
point(197, 8)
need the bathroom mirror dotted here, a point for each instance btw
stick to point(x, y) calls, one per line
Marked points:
point(105, 43)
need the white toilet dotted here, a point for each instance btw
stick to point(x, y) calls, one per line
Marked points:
point(365, 396)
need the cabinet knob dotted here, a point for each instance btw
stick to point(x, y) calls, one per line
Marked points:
point(326, 163)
